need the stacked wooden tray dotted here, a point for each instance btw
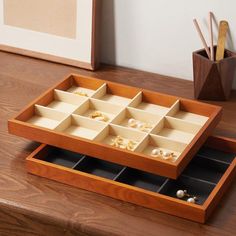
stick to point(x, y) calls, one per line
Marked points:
point(61, 117)
point(79, 147)
point(207, 177)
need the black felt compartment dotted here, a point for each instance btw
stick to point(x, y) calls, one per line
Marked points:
point(200, 189)
point(141, 179)
point(216, 154)
point(63, 157)
point(206, 169)
point(99, 167)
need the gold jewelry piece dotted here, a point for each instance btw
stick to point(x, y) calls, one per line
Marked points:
point(97, 115)
point(81, 93)
point(142, 126)
point(162, 154)
point(122, 143)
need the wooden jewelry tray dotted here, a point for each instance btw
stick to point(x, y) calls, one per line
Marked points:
point(61, 117)
point(207, 177)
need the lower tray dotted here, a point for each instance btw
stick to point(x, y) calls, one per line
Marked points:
point(206, 177)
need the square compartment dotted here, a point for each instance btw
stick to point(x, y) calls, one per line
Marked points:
point(65, 102)
point(46, 117)
point(81, 84)
point(92, 105)
point(139, 116)
point(99, 167)
point(141, 179)
point(116, 94)
point(198, 188)
point(62, 157)
point(152, 142)
point(112, 131)
point(81, 127)
point(179, 111)
point(157, 104)
point(177, 130)
point(206, 169)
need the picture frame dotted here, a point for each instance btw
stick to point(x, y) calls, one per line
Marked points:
point(67, 34)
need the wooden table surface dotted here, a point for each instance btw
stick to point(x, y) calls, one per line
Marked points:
point(30, 205)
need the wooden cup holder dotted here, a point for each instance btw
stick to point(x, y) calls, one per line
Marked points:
point(213, 79)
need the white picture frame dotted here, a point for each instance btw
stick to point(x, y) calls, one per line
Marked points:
point(79, 51)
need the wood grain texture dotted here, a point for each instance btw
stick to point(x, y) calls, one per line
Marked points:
point(213, 79)
point(36, 165)
point(32, 205)
point(20, 127)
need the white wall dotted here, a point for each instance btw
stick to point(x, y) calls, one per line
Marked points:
point(158, 35)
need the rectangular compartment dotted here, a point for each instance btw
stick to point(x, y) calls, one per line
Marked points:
point(217, 155)
point(108, 96)
point(60, 157)
point(141, 179)
point(81, 86)
point(146, 120)
point(81, 127)
point(46, 117)
point(112, 132)
point(153, 142)
point(98, 167)
point(138, 187)
point(205, 169)
point(154, 104)
point(177, 130)
point(109, 111)
point(194, 187)
point(179, 111)
point(116, 94)
point(65, 102)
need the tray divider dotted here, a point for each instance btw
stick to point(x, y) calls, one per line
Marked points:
point(78, 162)
point(100, 91)
point(200, 180)
point(120, 173)
point(211, 159)
point(136, 100)
point(119, 116)
point(163, 185)
point(173, 109)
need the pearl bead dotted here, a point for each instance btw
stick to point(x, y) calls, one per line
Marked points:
point(166, 154)
point(139, 125)
point(180, 193)
point(191, 200)
point(131, 121)
point(155, 152)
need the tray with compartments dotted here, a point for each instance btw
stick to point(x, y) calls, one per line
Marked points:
point(206, 177)
point(150, 131)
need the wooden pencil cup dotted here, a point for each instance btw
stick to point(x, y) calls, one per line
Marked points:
point(213, 79)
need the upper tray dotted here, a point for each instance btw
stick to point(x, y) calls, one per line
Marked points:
point(138, 128)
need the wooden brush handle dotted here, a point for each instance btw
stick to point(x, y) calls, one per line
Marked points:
point(223, 28)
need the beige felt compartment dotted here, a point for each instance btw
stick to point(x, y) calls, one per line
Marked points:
point(139, 103)
point(84, 91)
point(140, 116)
point(46, 117)
point(80, 126)
point(112, 131)
point(107, 109)
point(66, 102)
point(103, 94)
point(176, 112)
point(176, 129)
point(152, 142)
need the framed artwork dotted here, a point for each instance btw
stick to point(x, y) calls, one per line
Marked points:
point(62, 31)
